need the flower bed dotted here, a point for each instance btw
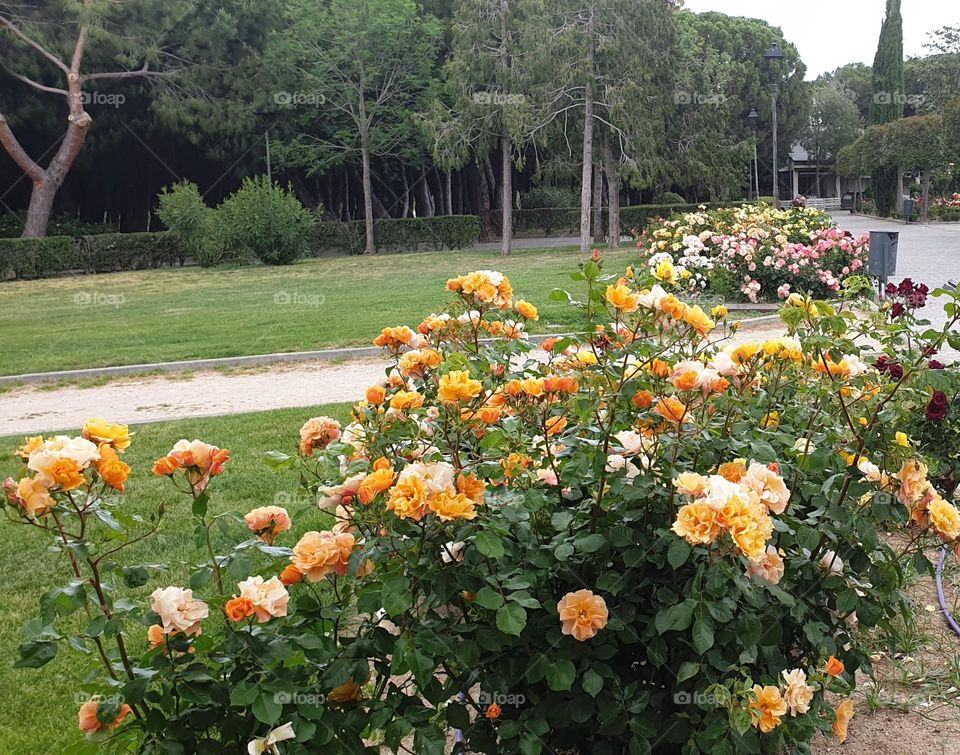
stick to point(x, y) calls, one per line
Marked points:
point(635, 542)
point(754, 252)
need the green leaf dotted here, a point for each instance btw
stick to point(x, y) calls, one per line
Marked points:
point(591, 682)
point(590, 543)
point(200, 503)
point(703, 633)
point(490, 544)
point(36, 654)
point(243, 694)
point(561, 520)
point(537, 668)
point(489, 598)
point(560, 676)
point(678, 553)
point(396, 595)
point(135, 576)
point(266, 708)
point(676, 617)
point(511, 619)
point(688, 670)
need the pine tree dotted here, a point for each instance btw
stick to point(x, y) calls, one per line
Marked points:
point(888, 100)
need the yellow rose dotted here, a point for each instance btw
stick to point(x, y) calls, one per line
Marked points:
point(622, 298)
point(100, 431)
point(457, 386)
point(697, 523)
point(945, 518)
point(527, 310)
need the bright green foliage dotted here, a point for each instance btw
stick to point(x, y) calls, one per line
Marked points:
point(266, 221)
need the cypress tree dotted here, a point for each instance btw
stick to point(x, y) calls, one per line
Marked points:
point(888, 99)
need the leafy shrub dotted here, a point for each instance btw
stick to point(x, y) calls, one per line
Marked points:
point(400, 234)
point(11, 226)
point(109, 252)
point(36, 258)
point(669, 197)
point(546, 196)
point(645, 543)
point(266, 221)
point(183, 211)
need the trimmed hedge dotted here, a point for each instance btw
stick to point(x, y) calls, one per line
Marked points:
point(11, 227)
point(100, 253)
point(400, 234)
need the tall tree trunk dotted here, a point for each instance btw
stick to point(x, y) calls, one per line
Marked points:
point(425, 204)
point(613, 197)
point(483, 203)
point(818, 176)
point(405, 198)
point(924, 216)
point(597, 204)
point(371, 247)
point(506, 192)
point(900, 190)
point(447, 193)
point(491, 182)
point(587, 169)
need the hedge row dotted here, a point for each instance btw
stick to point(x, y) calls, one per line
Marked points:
point(101, 253)
point(400, 234)
point(565, 221)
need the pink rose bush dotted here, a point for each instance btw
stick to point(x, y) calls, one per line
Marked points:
point(755, 252)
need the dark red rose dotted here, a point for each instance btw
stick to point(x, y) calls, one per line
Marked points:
point(897, 310)
point(891, 289)
point(935, 365)
point(895, 370)
point(938, 407)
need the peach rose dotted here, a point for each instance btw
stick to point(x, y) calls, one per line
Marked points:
point(318, 433)
point(34, 496)
point(843, 712)
point(766, 707)
point(100, 431)
point(797, 694)
point(582, 614)
point(30, 445)
point(87, 716)
point(320, 553)
point(79, 450)
point(769, 567)
point(178, 610)
point(268, 598)
point(698, 523)
point(266, 522)
point(913, 482)
point(449, 506)
point(691, 484)
point(769, 486)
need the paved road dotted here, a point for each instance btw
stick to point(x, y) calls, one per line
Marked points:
point(927, 253)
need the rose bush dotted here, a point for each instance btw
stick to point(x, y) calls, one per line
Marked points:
point(753, 252)
point(637, 541)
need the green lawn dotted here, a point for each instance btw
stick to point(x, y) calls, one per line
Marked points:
point(171, 314)
point(39, 706)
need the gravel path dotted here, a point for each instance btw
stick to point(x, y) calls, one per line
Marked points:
point(35, 409)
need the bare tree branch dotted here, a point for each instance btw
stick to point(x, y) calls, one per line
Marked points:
point(144, 71)
point(41, 87)
point(19, 155)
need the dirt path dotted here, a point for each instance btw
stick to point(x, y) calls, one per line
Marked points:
point(38, 408)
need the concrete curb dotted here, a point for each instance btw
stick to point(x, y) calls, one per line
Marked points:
point(322, 355)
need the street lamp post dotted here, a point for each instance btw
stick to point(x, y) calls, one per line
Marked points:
point(752, 118)
point(773, 56)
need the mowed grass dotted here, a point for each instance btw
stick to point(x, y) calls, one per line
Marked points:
point(40, 705)
point(173, 314)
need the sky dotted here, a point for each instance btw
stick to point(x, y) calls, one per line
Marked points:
point(830, 33)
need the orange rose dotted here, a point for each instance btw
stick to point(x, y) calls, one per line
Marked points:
point(320, 553)
point(403, 400)
point(556, 425)
point(375, 483)
point(527, 310)
point(87, 716)
point(318, 433)
point(376, 394)
point(766, 707)
point(450, 506)
point(493, 712)
point(66, 473)
point(471, 486)
point(238, 609)
point(622, 298)
point(582, 614)
point(165, 466)
point(661, 368)
point(267, 522)
point(291, 575)
point(642, 399)
point(111, 470)
point(345, 693)
point(697, 319)
point(671, 409)
point(835, 666)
